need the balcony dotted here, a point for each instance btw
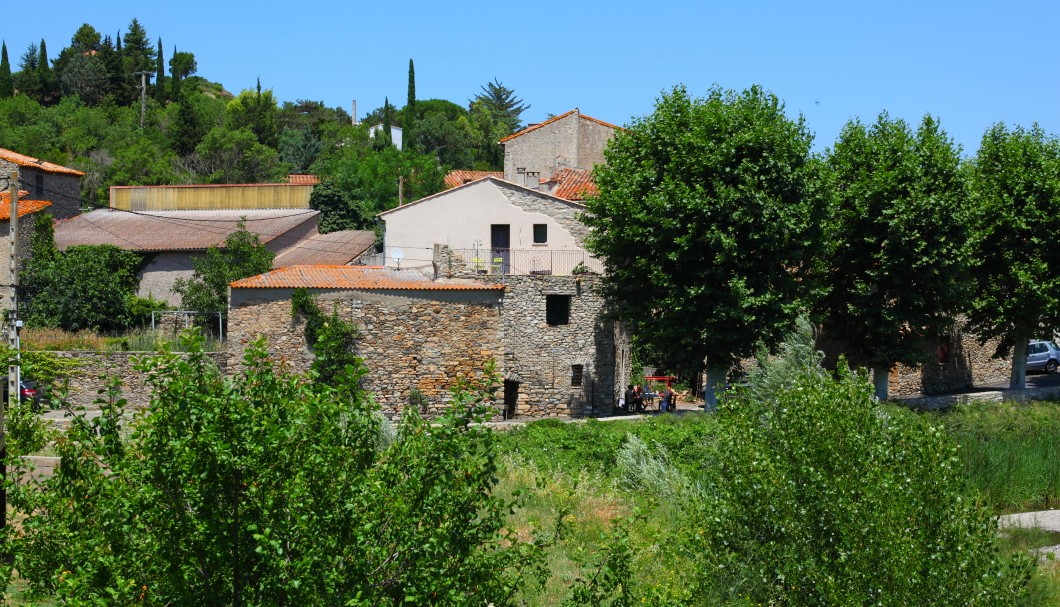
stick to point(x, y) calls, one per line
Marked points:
point(544, 262)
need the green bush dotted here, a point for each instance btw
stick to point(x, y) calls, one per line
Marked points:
point(270, 489)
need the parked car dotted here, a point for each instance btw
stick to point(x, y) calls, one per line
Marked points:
point(28, 391)
point(1043, 356)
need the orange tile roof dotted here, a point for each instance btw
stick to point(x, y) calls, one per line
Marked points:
point(460, 177)
point(356, 277)
point(554, 119)
point(31, 162)
point(25, 207)
point(573, 184)
point(303, 179)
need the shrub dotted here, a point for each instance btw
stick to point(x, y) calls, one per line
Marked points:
point(268, 489)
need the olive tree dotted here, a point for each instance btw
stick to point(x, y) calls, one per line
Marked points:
point(708, 224)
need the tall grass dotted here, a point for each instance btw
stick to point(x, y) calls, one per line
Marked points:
point(1010, 452)
point(137, 340)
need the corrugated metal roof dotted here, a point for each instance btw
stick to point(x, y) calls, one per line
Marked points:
point(174, 230)
point(34, 163)
point(371, 278)
point(334, 249)
point(25, 206)
point(460, 177)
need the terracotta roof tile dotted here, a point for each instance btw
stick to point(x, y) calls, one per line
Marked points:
point(573, 184)
point(554, 119)
point(25, 206)
point(356, 277)
point(460, 177)
point(31, 162)
point(303, 179)
point(177, 230)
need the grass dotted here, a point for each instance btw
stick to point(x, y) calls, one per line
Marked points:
point(139, 340)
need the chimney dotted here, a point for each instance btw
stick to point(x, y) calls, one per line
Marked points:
point(354, 112)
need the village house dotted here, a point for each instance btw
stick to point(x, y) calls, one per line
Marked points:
point(537, 154)
point(59, 185)
point(28, 209)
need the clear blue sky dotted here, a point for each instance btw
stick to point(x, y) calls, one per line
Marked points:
point(969, 63)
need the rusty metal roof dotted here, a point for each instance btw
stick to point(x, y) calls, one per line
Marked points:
point(174, 230)
point(357, 277)
point(336, 248)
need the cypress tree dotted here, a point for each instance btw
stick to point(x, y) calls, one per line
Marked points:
point(7, 85)
point(383, 138)
point(44, 74)
point(410, 110)
point(160, 74)
point(174, 77)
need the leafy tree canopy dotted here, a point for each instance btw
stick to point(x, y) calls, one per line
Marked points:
point(242, 255)
point(708, 222)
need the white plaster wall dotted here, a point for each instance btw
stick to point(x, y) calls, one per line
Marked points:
point(461, 219)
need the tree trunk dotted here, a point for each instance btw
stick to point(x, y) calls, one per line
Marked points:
point(881, 379)
point(1018, 379)
point(715, 382)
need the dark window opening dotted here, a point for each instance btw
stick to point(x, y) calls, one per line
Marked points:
point(557, 309)
point(576, 372)
point(40, 185)
point(945, 347)
point(540, 233)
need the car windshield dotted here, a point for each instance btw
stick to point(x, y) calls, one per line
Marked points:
point(1052, 345)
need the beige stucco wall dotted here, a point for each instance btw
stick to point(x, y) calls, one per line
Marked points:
point(461, 219)
point(161, 273)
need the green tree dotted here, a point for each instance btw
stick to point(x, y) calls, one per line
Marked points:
point(299, 148)
point(821, 497)
point(237, 157)
point(501, 102)
point(186, 129)
point(82, 288)
point(48, 88)
point(708, 223)
point(242, 255)
point(136, 56)
point(1016, 185)
point(7, 84)
point(384, 136)
point(409, 121)
point(255, 110)
point(897, 267)
point(337, 211)
point(160, 74)
point(181, 65)
point(27, 81)
point(86, 76)
point(264, 488)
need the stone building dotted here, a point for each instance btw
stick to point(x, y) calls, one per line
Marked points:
point(545, 334)
point(572, 140)
point(59, 185)
point(27, 213)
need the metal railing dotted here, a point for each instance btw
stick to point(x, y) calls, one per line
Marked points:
point(558, 262)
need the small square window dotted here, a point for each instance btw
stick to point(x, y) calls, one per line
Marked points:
point(557, 309)
point(540, 233)
point(576, 372)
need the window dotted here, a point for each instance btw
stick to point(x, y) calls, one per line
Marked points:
point(557, 309)
point(40, 185)
point(576, 372)
point(540, 233)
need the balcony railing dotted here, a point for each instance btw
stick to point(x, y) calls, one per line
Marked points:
point(559, 262)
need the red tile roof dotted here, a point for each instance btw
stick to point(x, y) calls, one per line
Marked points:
point(25, 206)
point(554, 119)
point(177, 230)
point(34, 163)
point(356, 277)
point(460, 177)
point(573, 184)
point(303, 179)
point(336, 248)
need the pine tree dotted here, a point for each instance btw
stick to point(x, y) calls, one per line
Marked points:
point(410, 110)
point(7, 85)
point(137, 56)
point(160, 74)
point(111, 60)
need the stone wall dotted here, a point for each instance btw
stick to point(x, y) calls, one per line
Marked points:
point(572, 141)
point(25, 236)
point(566, 214)
point(422, 341)
point(63, 191)
point(90, 378)
point(956, 363)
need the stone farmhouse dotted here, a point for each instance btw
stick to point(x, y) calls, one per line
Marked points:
point(28, 209)
point(59, 185)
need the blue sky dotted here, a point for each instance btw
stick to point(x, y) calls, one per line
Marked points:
point(969, 63)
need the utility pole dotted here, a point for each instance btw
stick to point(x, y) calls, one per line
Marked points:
point(143, 95)
point(12, 337)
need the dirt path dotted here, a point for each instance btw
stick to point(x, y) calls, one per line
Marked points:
point(1048, 520)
